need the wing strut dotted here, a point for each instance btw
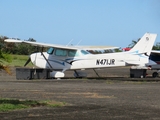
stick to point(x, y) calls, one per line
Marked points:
point(96, 72)
point(76, 73)
point(46, 59)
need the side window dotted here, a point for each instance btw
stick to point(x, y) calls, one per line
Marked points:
point(84, 52)
point(60, 52)
point(50, 50)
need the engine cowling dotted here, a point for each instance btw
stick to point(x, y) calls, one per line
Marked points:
point(57, 74)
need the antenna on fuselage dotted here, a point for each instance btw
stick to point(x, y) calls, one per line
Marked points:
point(79, 42)
point(69, 42)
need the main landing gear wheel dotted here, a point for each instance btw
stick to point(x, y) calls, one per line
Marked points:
point(155, 74)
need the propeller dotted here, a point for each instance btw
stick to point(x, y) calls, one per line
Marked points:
point(29, 60)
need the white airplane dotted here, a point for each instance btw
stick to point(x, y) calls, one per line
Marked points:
point(63, 58)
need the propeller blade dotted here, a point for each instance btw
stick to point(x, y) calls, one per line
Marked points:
point(27, 62)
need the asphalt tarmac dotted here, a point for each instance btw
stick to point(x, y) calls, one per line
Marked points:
point(85, 99)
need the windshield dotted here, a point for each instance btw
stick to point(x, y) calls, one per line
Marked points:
point(50, 50)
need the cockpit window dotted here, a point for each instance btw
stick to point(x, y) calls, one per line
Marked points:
point(50, 51)
point(60, 52)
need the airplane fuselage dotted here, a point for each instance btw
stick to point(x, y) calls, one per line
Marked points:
point(82, 61)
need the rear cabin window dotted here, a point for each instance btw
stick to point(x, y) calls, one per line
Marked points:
point(72, 53)
point(83, 52)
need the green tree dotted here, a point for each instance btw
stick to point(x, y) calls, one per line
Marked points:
point(133, 43)
point(157, 46)
point(3, 58)
point(17, 48)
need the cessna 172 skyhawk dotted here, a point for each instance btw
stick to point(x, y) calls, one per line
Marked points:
point(63, 58)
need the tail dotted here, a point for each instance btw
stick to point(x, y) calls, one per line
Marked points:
point(143, 49)
point(145, 44)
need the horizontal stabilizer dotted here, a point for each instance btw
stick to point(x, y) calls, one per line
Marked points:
point(133, 62)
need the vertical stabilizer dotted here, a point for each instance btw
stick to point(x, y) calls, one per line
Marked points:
point(145, 44)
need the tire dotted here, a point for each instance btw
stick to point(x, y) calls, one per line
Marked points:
point(155, 74)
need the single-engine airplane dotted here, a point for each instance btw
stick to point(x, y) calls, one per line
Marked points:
point(60, 58)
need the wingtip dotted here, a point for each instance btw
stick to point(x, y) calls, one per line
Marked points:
point(12, 40)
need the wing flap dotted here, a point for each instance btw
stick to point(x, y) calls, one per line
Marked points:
point(97, 47)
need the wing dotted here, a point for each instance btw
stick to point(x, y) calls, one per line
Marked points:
point(62, 46)
point(41, 44)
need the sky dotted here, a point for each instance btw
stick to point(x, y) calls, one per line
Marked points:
point(83, 22)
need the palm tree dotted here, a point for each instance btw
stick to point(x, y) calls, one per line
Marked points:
point(133, 43)
point(157, 46)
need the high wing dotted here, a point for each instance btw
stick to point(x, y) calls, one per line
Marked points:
point(62, 46)
point(40, 44)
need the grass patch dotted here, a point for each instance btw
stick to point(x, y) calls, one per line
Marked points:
point(14, 104)
point(18, 61)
